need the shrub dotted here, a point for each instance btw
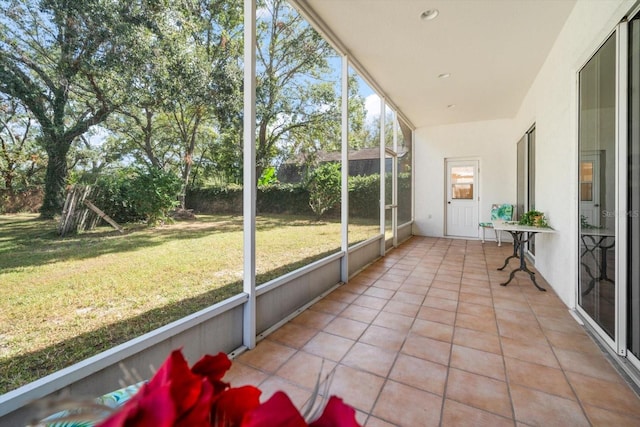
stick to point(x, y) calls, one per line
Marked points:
point(323, 184)
point(131, 195)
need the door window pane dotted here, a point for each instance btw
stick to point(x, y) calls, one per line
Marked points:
point(462, 182)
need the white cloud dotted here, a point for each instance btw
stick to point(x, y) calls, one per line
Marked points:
point(372, 105)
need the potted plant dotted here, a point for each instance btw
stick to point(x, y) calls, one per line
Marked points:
point(533, 218)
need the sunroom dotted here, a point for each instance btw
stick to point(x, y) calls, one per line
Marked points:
point(528, 103)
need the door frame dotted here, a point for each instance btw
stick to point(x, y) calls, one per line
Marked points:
point(476, 198)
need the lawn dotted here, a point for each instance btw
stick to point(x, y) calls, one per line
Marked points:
point(66, 299)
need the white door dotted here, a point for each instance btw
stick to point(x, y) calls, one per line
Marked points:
point(462, 198)
point(590, 190)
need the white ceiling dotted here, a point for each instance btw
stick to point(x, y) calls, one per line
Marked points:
point(493, 50)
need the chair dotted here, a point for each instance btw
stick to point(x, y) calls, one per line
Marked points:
point(502, 212)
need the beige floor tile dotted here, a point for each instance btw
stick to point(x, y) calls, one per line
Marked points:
point(419, 373)
point(431, 318)
point(347, 328)
point(448, 286)
point(313, 319)
point(414, 289)
point(292, 335)
point(397, 322)
point(403, 308)
point(468, 287)
point(539, 377)
point(579, 342)
point(479, 391)
point(356, 288)
point(406, 406)
point(602, 417)
point(388, 284)
point(509, 304)
point(456, 414)
point(241, 374)
point(435, 330)
point(533, 407)
point(342, 296)
point(379, 293)
point(329, 346)
point(587, 364)
point(478, 340)
point(522, 331)
point(383, 337)
point(427, 348)
point(476, 310)
point(440, 303)
point(476, 299)
point(443, 293)
point(534, 352)
point(377, 422)
point(437, 315)
point(370, 302)
point(359, 313)
point(304, 368)
point(357, 388)
point(478, 361)
point(298, 395)
point(612, 396)
point(370, 358)
point(267, 356)
point(477, 323)
point(329, 306)
point(407, 297)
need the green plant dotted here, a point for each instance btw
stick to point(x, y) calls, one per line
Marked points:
point(323, 184)
point(132, 195)
point(533, 218)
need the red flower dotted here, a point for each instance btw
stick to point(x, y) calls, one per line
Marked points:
point(177, 396)
point(232, 404)
point(213, 368)
point(148, 408)
point(277, 411)
point(336, 414)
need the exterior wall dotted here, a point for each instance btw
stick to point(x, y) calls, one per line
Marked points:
point(551, 104)
point(489, 141)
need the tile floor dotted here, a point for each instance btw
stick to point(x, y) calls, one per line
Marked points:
point(427, 337)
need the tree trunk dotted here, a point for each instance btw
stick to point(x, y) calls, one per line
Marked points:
point(55, 179)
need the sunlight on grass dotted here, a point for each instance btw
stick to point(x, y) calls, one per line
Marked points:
point(65, 299)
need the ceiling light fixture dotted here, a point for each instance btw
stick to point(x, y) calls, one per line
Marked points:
point(430, 14)
point(450, 106)
point(444, 75)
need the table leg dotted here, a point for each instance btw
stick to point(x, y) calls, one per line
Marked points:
point(514, 255)
point(518, 238)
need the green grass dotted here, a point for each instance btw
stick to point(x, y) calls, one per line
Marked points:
point(65, 299)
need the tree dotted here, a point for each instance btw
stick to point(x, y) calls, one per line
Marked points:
point(69, 62)
point(296, 92)
point(20, 159)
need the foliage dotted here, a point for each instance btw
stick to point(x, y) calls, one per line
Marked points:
point(296, 96)
point(268, 177)
point(324, 186)
point(139, 195)
point(533, 218)
point(364, 196)
point(69, 62)
point(22, 162)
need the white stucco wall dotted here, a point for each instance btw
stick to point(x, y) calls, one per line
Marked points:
point(551, 104)
point(489, 141)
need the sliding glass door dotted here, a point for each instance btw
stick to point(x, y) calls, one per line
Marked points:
point(597, 286)
point(633, 196)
